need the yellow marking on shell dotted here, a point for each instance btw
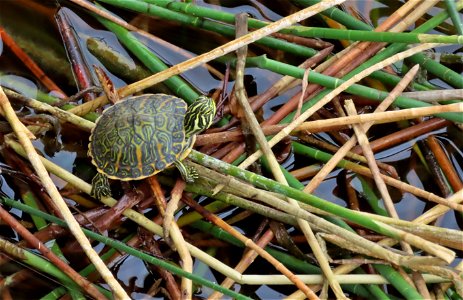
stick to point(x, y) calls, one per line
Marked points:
point(159, 146)
point(139, 156)
point(128, 179)
point(180, 156)
point(117, 164)
point(188, 150)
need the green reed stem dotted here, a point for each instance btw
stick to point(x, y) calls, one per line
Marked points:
point(30, 199)
point(454, 15)
point(396, 279)
point(441, 71)
point(19, 87)
point(124, 248)
point(451, 294)
point(59, 292)
point(433, 67)
point(397, 47)
point(295, 264)
point(336, 14)
point(316, 32)
point(444, 73)
point(167, 14)
point(290, 261)
point(150, 60)
point(373, 289)
point(372, 199)
point(271, 185)
point(393, 80)
point(38, 263)
point(332, 82)
point(373, 36)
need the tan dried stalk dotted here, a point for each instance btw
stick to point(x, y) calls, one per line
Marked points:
point(343, 279)
point(63, 115)
point(170, 228)
point(129, 213)
point(41, 171)
point(279, 176)
point(247, 191)
point(362, 138)
point(435, 95)
point(391, 181)
point(439, 210)
point(246, 260)
point(383, 117)
point(274, 166)
point(336, 123)
point(428, 217)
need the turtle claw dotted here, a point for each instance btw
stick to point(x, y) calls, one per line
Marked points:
point(188, 173)
point(100, 186)
point(192, 174)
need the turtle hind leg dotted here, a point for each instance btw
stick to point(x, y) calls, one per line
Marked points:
point(188, 174)
point(100, 186)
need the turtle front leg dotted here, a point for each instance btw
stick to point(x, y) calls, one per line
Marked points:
point(100, 186)
point(188, 174)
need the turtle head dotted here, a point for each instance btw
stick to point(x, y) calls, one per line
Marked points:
point(199, 115)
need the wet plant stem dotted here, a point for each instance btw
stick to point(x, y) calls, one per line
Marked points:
point(82, 73)
point(143, 221)
point(327, 168)
point(171, 229)
point(39, 263)
point(277, 173)
point(330, 95)
point(62, 115)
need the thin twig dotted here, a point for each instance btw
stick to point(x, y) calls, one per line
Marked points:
point(63, 115)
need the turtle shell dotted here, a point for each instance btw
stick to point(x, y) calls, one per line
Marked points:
point(139, 137)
